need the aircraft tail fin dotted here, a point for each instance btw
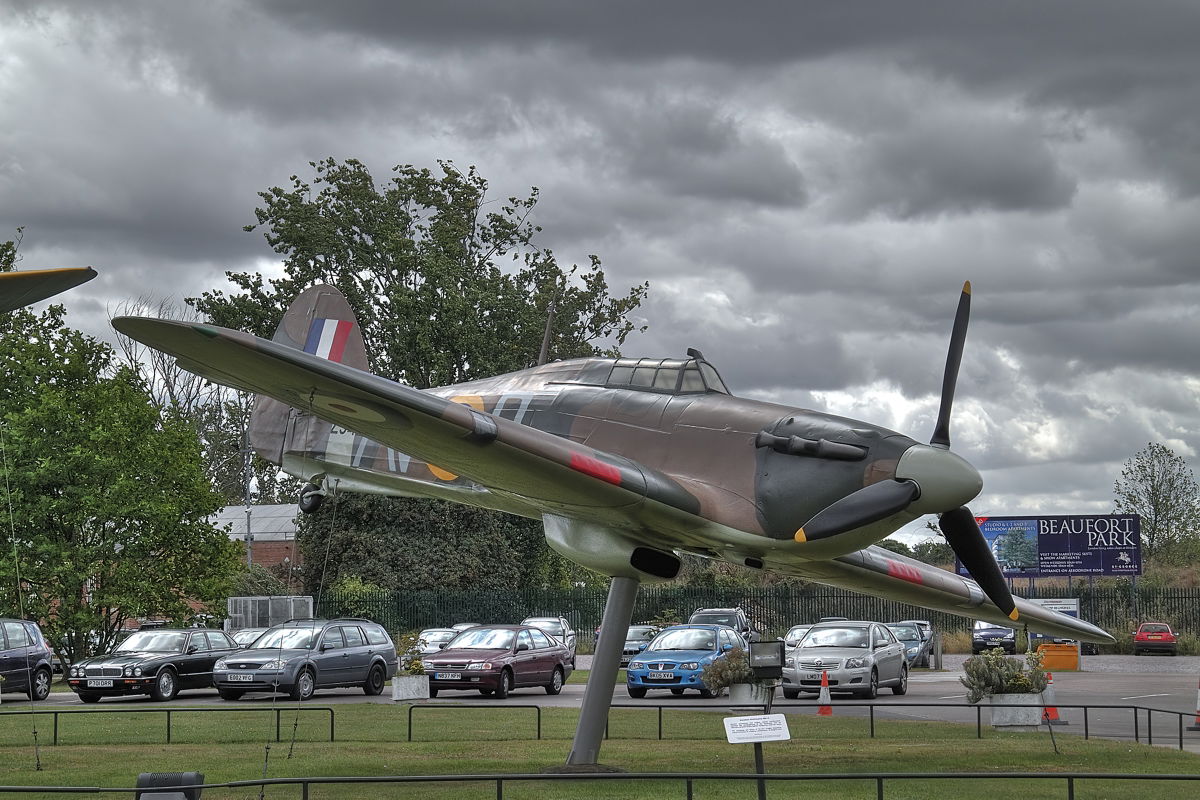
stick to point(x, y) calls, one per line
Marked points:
point(319, 321)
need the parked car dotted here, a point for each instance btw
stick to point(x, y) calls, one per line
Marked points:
point(1155, 637)
point(792, 638)
point(559, 628)
point(916, 646)
point(300, 656)
point(495, 659)
point(735, 618)
point(857, 656)
point(158, 661)
point(431, 640)
point(925, 626)
point(25, 655)
point(637, 639)
point(462, 626)
point(986, 635)
point(245, 636)
point(675, 658)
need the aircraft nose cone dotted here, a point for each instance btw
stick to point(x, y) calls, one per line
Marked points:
point(947, 481)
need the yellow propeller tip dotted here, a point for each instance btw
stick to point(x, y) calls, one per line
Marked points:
point(966, 287)
point(800, 537)
point(1014, 614)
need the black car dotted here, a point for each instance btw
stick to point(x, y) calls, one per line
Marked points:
point(158, 662)
point(24, 659)
point(986, 635)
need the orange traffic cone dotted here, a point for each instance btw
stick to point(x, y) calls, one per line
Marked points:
point(1050, 711)
point(1196, 726)
point(824, 709)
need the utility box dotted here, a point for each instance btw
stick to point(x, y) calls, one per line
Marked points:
point(263, 612)
point(1057, 657)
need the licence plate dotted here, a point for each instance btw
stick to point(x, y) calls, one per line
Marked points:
point(1155, 636)
point(661, 676)
point(812, 676)
point(447, 676)
point(100, 683)
point(239, 676)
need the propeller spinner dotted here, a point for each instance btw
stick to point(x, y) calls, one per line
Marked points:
point(929, 480)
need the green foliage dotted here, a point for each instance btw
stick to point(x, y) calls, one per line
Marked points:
point(731, 668)
point(419, 544)
point(257, 581)
point(356, 596)
point(895, 546)
point(408, 646)
point(107, 499)
point(992, 672)
point(934, 551)
point(1157, 485)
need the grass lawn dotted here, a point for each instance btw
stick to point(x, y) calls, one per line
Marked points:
point(110, 750)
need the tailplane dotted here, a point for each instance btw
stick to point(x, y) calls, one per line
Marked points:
point(319, 321)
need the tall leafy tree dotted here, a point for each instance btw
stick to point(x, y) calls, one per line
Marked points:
point(1158, 486)
point(106, 496)
point(448, 285)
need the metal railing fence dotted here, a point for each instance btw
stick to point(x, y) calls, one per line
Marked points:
point(169, 713)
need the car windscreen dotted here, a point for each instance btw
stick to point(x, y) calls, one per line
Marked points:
point(484, 639)
point(906, 633)
point(551, 626)
point(433, 637)
point(715, 619)
point(837, 637)
point(640, 633)
point(246, 635)
point(794, 636)
point(1154, 627)
point(153, 642)
point(287, 639)
point(685, 639)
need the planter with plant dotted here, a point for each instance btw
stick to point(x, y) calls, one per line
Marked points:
point(732, 671)
point(1014, 688)
point(411, 682)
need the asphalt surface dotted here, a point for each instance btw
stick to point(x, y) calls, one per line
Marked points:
point(1166, 685)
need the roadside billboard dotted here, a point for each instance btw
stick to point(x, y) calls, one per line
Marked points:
point(1088, 544)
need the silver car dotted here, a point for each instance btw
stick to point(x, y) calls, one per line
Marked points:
point(859, 657)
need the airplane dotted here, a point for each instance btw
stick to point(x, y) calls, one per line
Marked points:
point(627, 462)
point(19, 289)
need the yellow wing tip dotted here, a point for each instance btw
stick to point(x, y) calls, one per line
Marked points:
point(1014, 614)
point(966, 287)
point(800, 537)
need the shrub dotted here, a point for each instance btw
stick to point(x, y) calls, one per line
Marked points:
point(991, 672)
point(726, 670)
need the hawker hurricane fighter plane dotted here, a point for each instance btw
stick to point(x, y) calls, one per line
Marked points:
point(628, 463)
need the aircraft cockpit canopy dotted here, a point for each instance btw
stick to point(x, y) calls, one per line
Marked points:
point(667, 375)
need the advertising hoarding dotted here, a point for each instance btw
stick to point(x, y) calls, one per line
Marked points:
point(1086, 544)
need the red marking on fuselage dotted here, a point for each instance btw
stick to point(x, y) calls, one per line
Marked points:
point(596, 468)
point(904, 572)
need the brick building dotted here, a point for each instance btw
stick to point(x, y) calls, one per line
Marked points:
point(272, 534)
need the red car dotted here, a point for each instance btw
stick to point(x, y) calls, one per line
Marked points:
point(1155, 637)
point(495, 659)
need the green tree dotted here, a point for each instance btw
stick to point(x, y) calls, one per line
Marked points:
point(1015, 550)
point(107, 500)
point(895, 546)
point(933, 551)
point(1158, 486)
point(447, 286)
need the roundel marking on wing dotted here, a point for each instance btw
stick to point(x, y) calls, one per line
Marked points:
point(342, 407)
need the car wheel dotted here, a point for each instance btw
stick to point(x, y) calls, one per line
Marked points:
point(556, 682)
point(872, 690)
point(89, 697)
point(505, 684)
point(305, 686)
point(166, 685)
point(375, 681)
point(636, 692)
point(902, 686)
point(40, 688)
point(229, 694)
point(676, 691)
point(791, 694)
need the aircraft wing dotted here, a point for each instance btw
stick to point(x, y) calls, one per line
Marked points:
point(19, 289)
point(533, 467)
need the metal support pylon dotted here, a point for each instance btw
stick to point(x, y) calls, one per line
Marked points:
point(597, 695)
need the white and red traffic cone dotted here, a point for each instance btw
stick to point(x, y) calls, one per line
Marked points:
point(1050, 711)
point(1196, 725)
point(825, 709)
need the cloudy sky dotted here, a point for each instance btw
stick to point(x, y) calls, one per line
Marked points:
point(804, 185)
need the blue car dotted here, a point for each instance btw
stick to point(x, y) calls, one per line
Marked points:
point(675, 658)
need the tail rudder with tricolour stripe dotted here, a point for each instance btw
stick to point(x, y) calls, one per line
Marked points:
point(319, 321)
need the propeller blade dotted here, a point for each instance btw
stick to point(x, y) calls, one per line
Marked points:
point(958, 337)
point(965, 538)
point(869, 504)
